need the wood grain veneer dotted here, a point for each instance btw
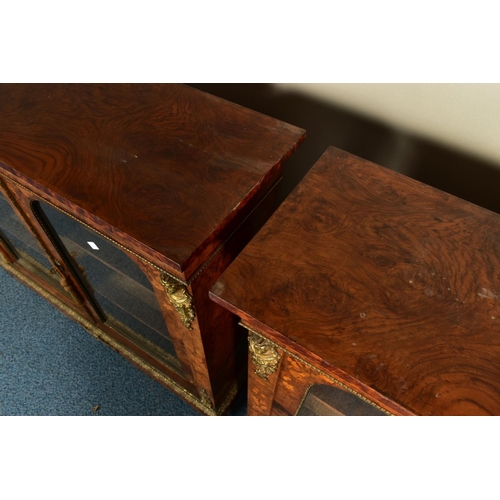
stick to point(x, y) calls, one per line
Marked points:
point(386, 284)
point(166, 166)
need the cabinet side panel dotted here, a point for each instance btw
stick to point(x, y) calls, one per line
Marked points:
point(223, 340)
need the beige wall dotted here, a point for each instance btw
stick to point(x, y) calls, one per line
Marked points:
point(462, 116)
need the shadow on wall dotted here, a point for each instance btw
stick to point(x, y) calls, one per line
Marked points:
point(462, 175)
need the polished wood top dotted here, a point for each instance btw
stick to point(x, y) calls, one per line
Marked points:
point(168, 165)
point(380, 279)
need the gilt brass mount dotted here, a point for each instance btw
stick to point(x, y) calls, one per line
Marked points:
point(264, 354)
point(179, 298)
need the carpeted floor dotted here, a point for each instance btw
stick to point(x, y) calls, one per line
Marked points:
point(49, 365)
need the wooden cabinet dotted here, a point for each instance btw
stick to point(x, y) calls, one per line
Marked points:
point(370, 293)
point(122, 204)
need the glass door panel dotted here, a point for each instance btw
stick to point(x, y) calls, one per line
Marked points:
point(120, 287)
point(28, 251)
point(325, 400)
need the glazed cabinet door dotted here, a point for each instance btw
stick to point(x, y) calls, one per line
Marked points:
point(23, 248)
point(121, 293)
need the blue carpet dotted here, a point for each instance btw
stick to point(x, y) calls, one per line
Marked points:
point(49, 365)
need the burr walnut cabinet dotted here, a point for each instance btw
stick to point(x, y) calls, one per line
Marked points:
point(122, 204)
point(369, 293)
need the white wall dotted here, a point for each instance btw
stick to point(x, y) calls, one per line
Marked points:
point(462, 116)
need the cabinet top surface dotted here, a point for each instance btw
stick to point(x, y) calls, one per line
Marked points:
point(391, 282)
point(166, 164)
